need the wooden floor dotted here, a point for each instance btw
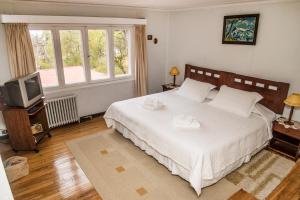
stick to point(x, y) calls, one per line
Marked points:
point(289, 188)
point(242, 195)
point(54, 172)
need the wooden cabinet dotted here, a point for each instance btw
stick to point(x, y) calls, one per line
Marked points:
point(19, 121)
point(285, 141)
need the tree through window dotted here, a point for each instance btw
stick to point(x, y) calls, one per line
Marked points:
point(72, 56)
point(67, 55)
point(98, 54)
point(121, 52)
point(43, 49)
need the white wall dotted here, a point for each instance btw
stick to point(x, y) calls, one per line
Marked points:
point(97, 99)
point(195, 37)
point(187, 37)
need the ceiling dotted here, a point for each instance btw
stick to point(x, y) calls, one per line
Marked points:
point(156, 4)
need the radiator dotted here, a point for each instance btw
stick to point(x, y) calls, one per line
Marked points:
point(61, 111)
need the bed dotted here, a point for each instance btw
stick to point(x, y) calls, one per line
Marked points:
point(223, 142)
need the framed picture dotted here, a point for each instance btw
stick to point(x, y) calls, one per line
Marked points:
point(240, 29)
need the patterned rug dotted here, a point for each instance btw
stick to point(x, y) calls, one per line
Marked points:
point(262, 174)
point(121, 171)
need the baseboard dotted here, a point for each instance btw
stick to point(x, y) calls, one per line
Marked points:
point(89, 117)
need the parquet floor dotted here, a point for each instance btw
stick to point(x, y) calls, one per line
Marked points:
point(54, 172)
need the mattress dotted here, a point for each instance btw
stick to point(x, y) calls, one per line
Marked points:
point(201, 156)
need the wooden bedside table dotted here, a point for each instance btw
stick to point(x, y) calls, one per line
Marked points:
point(169, 86)
point(285, 141)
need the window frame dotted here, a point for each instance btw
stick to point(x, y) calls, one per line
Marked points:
point(55, 28)
point(73, 28)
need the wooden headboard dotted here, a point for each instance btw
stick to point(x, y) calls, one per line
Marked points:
point(273, 92)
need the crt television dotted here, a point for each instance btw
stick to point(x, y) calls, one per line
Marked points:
point(23, 91)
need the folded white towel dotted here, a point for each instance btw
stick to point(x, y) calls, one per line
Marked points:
point(186, 121)
point(153, 104)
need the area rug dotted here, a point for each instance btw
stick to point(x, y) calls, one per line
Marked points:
point(262, 174)
point(121, 171)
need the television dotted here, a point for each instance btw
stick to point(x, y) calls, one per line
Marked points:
point(23, 91)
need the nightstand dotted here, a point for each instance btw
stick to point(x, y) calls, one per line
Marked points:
point(285, 141)
point(169, 86)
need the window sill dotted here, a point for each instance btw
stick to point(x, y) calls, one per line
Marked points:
point(49, 91)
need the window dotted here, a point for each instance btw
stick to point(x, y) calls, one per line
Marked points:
point(43, 49)
point(121, 52)
point(98, 54)
point(72, 56)
point(67, 55)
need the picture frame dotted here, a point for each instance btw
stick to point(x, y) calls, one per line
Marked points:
point(240, 29)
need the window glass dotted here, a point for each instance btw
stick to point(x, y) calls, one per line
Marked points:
point(75, 44)
point(72, 56)
point(42, 42)
point(121, 58)
point(98, 54)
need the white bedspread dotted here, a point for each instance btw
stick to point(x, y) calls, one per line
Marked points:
point(204, 153)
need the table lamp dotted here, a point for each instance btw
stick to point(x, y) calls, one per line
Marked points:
point(174, 72)
point(293, 101)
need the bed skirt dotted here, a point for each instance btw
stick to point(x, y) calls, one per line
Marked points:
point(171, 165)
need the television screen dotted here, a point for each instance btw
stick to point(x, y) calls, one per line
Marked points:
point(32, 87)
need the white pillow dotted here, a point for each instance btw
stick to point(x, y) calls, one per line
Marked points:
point(212, 94)
point(195, 90)
point(236, 101)
point(264, 111)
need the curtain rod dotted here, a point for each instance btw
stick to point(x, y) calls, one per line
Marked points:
point(43, 19)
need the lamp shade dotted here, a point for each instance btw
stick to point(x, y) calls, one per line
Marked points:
point(174, 71)
point(293, 100)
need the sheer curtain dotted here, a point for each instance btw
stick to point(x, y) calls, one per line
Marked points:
point(141, 71)
point(20, 50)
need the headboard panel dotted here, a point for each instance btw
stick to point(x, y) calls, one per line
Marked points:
point(211, 76)
point(273, 92)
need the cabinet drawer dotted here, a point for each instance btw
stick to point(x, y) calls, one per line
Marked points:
point(280, 147)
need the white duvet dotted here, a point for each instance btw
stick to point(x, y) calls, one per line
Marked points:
point(208, 153)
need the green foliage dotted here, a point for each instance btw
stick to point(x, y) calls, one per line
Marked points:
point(70, 41)
point(43, 47)
point(121, 52)
point(71, 49)
point(97, 50)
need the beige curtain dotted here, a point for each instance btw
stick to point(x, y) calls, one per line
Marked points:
point(20, 50)
point(141, 71)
